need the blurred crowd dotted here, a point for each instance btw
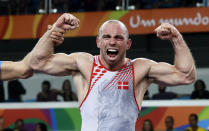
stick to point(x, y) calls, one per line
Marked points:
point(169, 124)
point(199, 92)
point(146, 126)
point(19, 125)
point(16, 90)
point(15, 7)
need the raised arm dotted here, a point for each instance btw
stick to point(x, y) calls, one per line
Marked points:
point(42, 57)
point(13, 70)
point(183, 71)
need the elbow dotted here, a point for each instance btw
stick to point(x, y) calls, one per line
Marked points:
point(36, 65)
point(189, 79)
point(25, 71)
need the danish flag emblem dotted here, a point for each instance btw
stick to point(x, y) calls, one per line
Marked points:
point(123, 85)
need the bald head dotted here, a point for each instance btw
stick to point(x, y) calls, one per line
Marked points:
point(123, 27)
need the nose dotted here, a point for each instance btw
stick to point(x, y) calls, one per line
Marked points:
point(112, 41)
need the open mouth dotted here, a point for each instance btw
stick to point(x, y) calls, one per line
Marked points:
point(112, 52)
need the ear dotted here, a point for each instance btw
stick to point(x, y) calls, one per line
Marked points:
point(98, 42)
point(129, 42)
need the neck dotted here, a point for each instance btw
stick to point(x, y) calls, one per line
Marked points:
point(114, 66)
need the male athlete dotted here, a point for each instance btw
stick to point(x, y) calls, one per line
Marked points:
point(110, 86)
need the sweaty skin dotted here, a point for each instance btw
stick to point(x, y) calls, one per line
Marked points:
point(113, 43)
point(20, 69)
point(13, 70)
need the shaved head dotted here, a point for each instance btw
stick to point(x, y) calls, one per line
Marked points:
point(124, 28)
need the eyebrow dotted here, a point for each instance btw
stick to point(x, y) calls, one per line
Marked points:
point(116, 36)
point(119, 36)
point(106, 35)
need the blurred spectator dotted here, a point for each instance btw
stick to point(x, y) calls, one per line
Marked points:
point(193, 121)
point(147, 125)
point(200, 91)
point(68, 94)
point(2, 99)
point(1, 123)
point(41, 127)
point(47, 94)
point(146, 95)
point(19, 125)
point(169, 123)
point(15, 90)
point(163, 95)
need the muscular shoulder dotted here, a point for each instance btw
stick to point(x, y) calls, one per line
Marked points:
point(82, 58)
point(81, 54)
point(143, 62)
point(84, 62)
point(141, 68)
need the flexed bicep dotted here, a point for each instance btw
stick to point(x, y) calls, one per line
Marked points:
point(59, 64)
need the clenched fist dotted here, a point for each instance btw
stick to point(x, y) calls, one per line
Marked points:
point(64, 23)
point(167, 31)
point(67, 22)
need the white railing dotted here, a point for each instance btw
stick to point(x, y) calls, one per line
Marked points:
point(145, 103)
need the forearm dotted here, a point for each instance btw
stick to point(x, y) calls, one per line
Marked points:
point(43, 49)
point(14, 70)
point(184, 61)
point(7, 72)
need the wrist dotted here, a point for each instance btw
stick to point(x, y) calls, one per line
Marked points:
point(177, 38)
